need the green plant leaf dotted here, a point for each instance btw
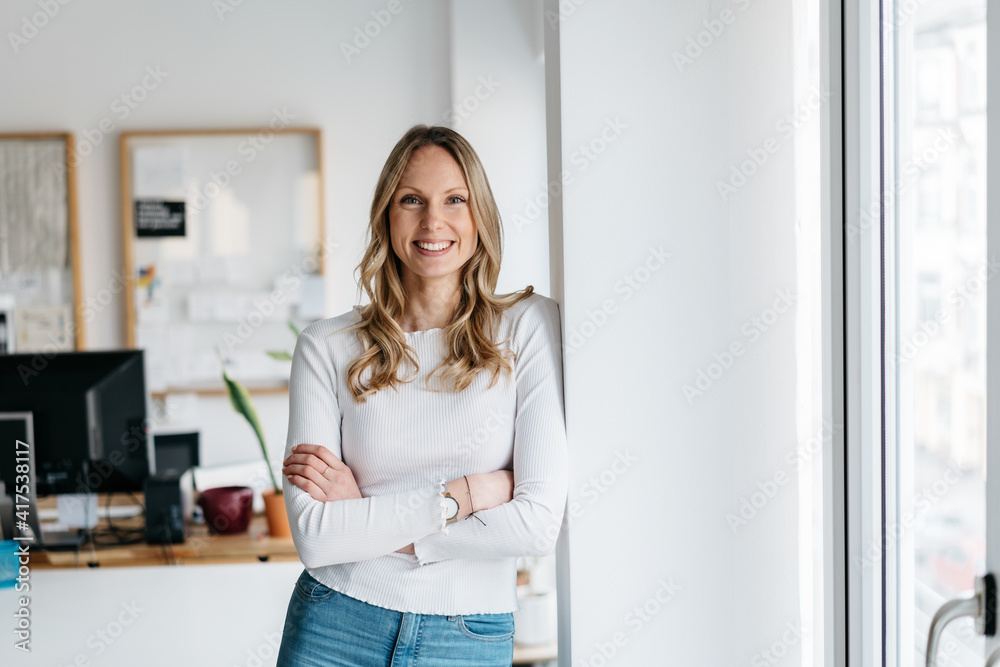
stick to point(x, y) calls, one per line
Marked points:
point(295, 329)
point(243, 404)
point(279, 355)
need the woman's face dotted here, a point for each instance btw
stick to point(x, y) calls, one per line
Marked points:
point(430, 221)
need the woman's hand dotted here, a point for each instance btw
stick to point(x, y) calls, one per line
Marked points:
point(315, 470)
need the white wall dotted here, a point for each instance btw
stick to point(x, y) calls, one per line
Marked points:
point(656, 474)
point(231, 69)
point(498, 104)
point(154, 616)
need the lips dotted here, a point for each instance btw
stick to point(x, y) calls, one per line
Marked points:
point(433, 248)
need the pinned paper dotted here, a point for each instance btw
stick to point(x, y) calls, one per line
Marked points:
point(181, 272)
point(212, 270)
point(40, 328)
point(159, 172)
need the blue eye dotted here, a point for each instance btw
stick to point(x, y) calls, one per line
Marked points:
point(411, 199)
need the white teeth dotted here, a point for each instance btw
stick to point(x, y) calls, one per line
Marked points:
point(434, 246)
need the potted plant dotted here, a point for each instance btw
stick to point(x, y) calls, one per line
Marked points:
point(274, 501)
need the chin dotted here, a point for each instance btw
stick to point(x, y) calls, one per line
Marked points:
point(439, 274)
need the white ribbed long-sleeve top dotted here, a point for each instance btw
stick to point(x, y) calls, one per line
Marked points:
point(404, 446)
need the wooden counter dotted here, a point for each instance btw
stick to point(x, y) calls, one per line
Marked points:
point(200, 547)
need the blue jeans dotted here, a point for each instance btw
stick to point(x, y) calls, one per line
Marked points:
point(324, 627)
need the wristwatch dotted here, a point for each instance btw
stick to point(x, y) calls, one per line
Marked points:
point(453, 515)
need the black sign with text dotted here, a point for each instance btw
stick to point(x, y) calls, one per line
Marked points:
point(156, 217)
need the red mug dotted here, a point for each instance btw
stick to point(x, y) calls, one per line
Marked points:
point(228, 509)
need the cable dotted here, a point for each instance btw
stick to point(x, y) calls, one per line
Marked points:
point(90, 532)
point(137, 501)
point(120, 536)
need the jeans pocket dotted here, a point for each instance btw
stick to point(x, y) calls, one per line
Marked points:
point(487, 627)
point(311, 590)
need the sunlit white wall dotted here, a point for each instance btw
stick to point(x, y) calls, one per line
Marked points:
point(498, 104)
point(689, 228)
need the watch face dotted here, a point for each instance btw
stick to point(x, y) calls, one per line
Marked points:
point(453, 512)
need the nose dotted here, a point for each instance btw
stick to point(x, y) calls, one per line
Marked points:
point(433, 218)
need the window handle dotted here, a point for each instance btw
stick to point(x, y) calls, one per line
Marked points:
point(982, 607)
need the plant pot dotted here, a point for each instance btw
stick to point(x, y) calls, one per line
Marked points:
point(227, 509)
point(277, 517)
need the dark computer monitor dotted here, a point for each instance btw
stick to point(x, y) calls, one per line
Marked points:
point(89, 416)
point(16, 464)
point(176, 452)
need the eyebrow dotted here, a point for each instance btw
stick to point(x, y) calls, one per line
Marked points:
point(416, 189)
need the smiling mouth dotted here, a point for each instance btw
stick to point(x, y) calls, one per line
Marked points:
point(434, 247)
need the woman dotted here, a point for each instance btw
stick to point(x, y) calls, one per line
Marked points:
point(410, 498)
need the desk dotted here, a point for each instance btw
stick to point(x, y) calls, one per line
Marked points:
point(201, 548)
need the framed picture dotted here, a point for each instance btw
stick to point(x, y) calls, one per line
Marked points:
point(224, 249)
point(7, 331)
point(39, 248)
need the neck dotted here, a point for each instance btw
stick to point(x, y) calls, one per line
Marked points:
point(430, 303)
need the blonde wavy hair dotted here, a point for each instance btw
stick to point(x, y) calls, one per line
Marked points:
point(470, 335)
